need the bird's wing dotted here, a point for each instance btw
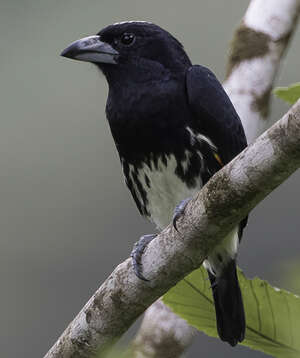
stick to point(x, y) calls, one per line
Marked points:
point(214, 114)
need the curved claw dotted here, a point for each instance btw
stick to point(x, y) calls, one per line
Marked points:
point(137, 254)
point(137, 270)
point(174, 221)
point(179, 211)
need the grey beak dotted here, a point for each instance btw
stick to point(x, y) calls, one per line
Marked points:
point(91, 49)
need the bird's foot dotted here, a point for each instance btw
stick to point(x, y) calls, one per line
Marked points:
point(179, 211)
point(137, 253)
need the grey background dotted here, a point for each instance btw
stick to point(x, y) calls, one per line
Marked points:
point(66, 217)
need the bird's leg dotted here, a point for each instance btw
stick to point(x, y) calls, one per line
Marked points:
point(137, 253)
point(139, 246)
point(179, 211)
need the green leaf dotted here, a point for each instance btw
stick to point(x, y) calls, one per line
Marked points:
point(272, 315)
point(289, 94)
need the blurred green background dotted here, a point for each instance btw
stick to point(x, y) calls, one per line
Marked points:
point(66, 217)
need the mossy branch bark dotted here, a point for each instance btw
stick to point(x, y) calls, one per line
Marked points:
point(212, 213)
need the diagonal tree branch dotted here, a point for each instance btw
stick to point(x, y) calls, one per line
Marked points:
point(216, 209)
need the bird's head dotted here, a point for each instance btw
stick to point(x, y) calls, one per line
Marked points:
point(142, 46)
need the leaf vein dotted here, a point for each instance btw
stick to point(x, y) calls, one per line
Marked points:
point(290, 319)
point(257, 306)
point(198, 291)
point(271, 309)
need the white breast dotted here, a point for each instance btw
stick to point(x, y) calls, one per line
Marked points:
point(165, 190)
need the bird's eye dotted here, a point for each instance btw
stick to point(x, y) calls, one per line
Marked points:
point(127, 39)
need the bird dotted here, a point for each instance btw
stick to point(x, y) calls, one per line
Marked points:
point(174, 127)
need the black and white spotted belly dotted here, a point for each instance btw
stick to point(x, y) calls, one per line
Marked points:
point(159, 182)
point(157, 186)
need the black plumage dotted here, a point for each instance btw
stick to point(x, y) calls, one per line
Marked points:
point(174, 127)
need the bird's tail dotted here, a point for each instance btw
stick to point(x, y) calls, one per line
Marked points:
point(228, 304)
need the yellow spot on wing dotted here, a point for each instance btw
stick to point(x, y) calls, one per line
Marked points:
point(218, 159)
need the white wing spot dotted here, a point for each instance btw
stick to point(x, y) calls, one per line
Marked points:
point(200, 137)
